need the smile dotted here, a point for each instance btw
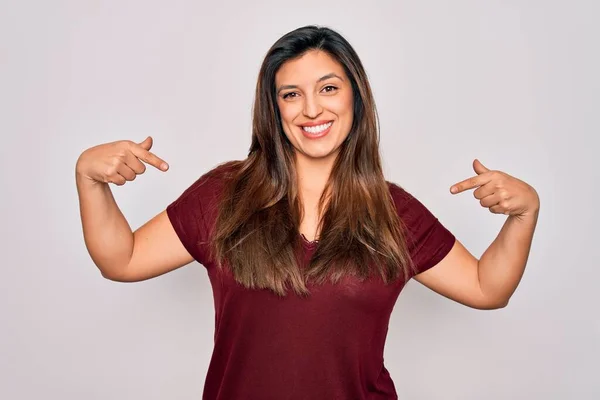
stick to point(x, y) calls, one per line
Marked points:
point(317, 129)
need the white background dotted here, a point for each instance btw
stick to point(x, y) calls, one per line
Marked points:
point(513, 83)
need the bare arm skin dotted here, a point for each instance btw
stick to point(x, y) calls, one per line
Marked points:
point(490, 282)
point(120, 254)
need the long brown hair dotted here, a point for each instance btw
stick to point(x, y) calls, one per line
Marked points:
point(257, 227)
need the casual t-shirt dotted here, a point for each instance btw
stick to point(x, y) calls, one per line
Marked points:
point(328, 345)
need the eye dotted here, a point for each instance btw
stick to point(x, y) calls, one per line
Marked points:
point(290, 94)
point(333, 88)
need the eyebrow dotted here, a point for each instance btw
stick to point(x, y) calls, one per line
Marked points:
point(324, 77)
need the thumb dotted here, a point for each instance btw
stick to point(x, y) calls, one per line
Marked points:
point(147, 143)
point(479, 167)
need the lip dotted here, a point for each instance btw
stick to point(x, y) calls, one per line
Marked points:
point(321, 122)
point(318, 135)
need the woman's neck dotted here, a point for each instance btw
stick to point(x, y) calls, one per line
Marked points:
point(312, 176)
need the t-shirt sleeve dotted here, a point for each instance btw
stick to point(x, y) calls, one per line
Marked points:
point(429, 241)
point(189, 219)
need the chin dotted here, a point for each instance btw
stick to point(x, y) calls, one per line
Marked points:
point(322, 153)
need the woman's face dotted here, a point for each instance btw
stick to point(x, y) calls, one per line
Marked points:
point(314, 97)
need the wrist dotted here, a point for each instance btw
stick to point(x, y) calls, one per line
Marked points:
point(83, 180)
point(529, 215)
point(534, 209)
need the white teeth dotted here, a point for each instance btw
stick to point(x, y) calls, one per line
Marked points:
point(318, 128)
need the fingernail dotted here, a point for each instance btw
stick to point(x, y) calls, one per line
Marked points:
point(453, 189)
point(164, 166)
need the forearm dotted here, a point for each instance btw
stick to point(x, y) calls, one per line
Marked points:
point(502, 265)
point(107, 234)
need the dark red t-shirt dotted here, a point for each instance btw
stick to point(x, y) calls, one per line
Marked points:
point(327, 346)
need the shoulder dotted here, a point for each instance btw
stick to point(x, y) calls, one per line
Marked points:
point(428, 239)
point(410, 209)
point(203, 195)
point(403, 200)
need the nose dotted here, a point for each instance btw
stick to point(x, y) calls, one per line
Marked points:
point(312, 108)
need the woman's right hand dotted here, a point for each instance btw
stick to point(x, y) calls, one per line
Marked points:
point(118, 162)
point(119, 253)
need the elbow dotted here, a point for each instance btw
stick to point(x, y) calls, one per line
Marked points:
point(114, 274)
point(492, 301)
point(494, 304)
point(498, 306)
point(504, 303)
point(108, 275)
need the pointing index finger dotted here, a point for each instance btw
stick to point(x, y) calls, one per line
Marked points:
point(149, 158)
point(470, 183)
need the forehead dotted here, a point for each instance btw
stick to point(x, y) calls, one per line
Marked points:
point(308, 68)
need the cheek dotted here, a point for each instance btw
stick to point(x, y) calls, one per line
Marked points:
point(287, 118)
point(287, 114)
point(347, 109)
point(342, 104)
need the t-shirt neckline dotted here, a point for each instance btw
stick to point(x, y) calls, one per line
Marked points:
point(308, 243)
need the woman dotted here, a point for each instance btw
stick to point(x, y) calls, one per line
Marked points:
point(307, 246)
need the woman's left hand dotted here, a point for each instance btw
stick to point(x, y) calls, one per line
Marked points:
point(500, 192)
